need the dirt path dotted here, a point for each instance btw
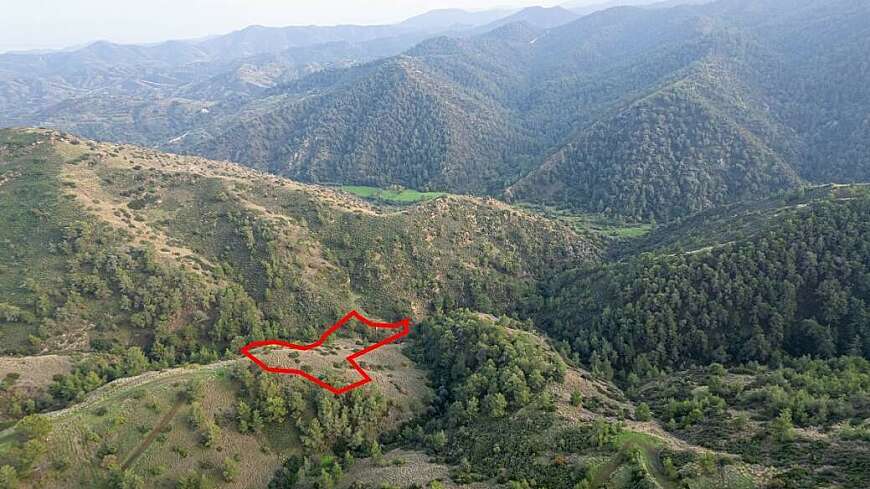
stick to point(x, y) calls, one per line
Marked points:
point(653, 462)
point(153, 435)
point(115, 386)
point(604, 473)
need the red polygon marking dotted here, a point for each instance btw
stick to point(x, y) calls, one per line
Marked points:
point(403, 325)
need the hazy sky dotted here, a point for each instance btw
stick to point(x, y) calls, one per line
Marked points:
point(38, 24)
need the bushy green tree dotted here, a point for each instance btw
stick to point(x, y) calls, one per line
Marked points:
point(230, 469)
point(34, 427)
point(782, 427)
point(8, 477)
point(642, 412)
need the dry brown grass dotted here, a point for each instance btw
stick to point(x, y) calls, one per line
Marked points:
point(88, 189)
point(392, 373)
point(401, 468)
point(35, 372)
point(91, 195)
point(70, 439)
point(578, 380)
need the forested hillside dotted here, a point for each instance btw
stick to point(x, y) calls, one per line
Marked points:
point(644, 113)
point(666, 156)
point(499, 398)
point(798, 287)
point(417, 125)
point(508, 408)
point(745, 323)
point(122, 246)
point(743, 328)
point(150, 94)
point(633, 248)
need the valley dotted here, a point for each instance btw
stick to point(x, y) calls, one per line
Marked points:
point(584, 428)
point(566, 114)
point(631, 240)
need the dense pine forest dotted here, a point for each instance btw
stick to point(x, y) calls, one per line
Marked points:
point(631, 112)
point(802, 288)
point(655, 112)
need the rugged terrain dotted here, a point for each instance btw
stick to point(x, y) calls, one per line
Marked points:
point(633, 243)
point(124, 243)
point(651, 112)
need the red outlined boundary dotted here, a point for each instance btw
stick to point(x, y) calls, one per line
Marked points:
point(404, 325)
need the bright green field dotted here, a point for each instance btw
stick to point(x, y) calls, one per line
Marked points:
point(405, 196)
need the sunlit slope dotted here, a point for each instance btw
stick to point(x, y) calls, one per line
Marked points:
point(127, 245)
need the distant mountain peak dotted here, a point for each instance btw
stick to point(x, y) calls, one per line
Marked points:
point(539, 17)
point(454, 18)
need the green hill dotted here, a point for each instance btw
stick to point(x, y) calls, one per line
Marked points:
point(673, 291)
point(666, 156)
point(118, 245)
point(392, 122)
point(641, 113)
point(227, 425)
point(773, 281)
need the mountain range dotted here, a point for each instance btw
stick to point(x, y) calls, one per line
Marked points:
point(631, 243)
point(57, 85)
point(631, 111)
point(682, 348)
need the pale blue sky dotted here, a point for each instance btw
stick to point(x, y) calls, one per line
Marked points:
point(38, 24)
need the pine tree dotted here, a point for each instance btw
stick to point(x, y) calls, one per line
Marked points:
point(782, 428)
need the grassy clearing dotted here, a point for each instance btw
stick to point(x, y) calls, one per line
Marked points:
point(144, 422)
point(399, 468)
point(635, 439)
point(403, 196)
point(600, 225)
point(392, 373)
point(629, 231)
point(36, 371)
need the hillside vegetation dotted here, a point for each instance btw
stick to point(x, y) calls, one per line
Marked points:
point(638, 113)
point(633, 112)
point(122, 246)
point(742, 329)
point(225, 424)
point(633, 248)
point(798, 286)
point(238, 255)
point(229, 424)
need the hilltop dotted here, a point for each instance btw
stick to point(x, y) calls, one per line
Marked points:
point(121, 245)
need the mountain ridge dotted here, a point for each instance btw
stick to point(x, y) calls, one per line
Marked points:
point(488, 114)
point(293, 254)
